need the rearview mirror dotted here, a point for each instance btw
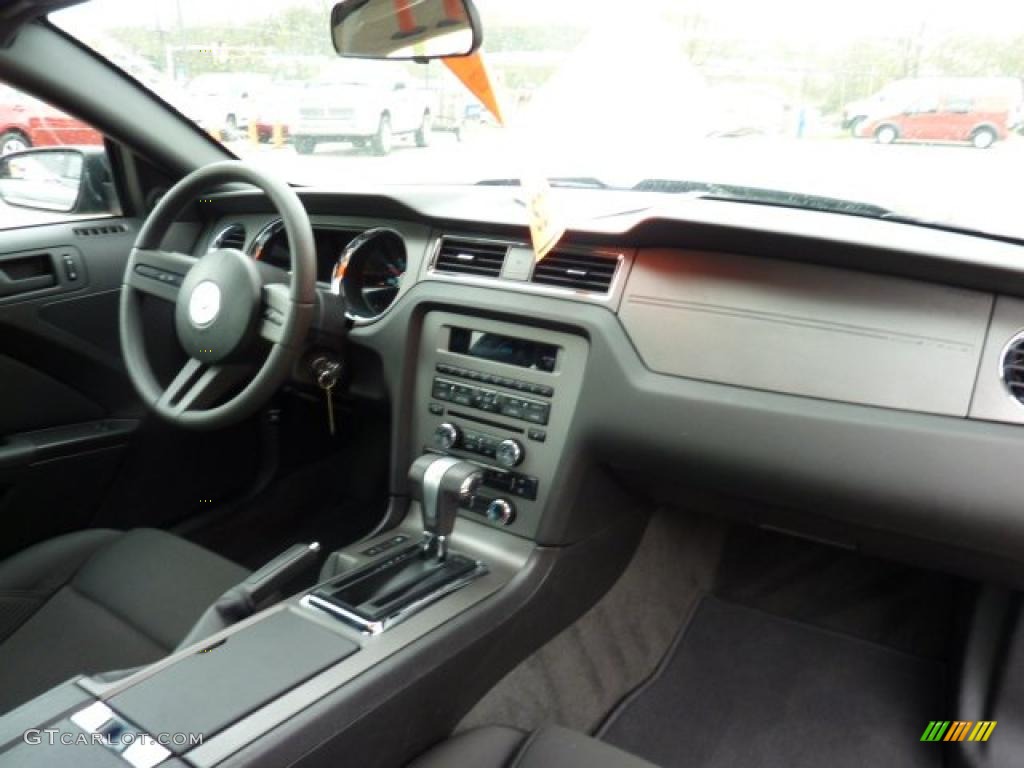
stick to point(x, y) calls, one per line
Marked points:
point(405, 29)
point(57, 180)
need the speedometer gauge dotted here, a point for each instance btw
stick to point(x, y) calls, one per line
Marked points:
point(369, 272)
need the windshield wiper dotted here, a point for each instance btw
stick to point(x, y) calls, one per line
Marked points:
point(763, 196)
point(562, 182)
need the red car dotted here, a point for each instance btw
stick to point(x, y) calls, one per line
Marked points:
point(26, 122)
point(979, 110)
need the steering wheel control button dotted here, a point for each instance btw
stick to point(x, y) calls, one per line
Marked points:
point(204, 304)
point(163, 276)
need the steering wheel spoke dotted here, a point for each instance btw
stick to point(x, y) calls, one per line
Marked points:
point(198, 385)
point(157, 272)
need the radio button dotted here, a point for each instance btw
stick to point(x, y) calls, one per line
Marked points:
point(525, 486)
point(538, 435)
point(501, 481)
point(487, 446)
point(536, 412)
point(463, 395)
point(509, 453)
point(442, 390)
point(488, 401)
point(500, 511)
point(446, 436)
point(511, 407)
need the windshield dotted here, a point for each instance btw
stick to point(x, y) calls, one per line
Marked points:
point(905, 109)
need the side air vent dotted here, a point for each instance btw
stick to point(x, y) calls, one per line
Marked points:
point(1013, 367)
point(577, 271)
point(232, 236)
point(106, 229)
point(471, 257)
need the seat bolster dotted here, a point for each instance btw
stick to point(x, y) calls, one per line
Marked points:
point(556, 746)
point(492, 746)
point(157, 582)
point(44, 568)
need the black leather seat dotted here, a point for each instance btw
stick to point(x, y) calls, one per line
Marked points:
point(548, 747)
point(97, 601)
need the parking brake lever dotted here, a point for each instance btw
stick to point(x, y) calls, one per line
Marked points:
point(256, 592)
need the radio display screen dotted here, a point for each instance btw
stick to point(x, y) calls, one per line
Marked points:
point(522, 353)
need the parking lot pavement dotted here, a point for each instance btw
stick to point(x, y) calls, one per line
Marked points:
point(976, 189)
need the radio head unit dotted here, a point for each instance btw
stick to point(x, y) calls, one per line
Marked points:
point(502, 396)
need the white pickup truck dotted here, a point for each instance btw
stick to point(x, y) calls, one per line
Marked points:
point(365, 103)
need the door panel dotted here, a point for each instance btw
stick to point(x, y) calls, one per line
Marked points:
point(60, 379)
point(77, 446)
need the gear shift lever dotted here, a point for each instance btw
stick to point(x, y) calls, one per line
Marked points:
point(386, 590)
point(441, 484)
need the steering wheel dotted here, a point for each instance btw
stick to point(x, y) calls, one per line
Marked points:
point(224, 303)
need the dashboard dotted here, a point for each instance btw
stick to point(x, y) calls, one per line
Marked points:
point(855, 380)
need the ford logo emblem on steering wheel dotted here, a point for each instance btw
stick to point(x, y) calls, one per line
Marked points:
point(204, 304)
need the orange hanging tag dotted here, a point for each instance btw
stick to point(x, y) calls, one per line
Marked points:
point(472, 71)
point(546, 227)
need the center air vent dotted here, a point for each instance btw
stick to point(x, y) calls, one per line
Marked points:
point(232, 236)
point(471, 257)
point(577, 271)
point(1013, 367)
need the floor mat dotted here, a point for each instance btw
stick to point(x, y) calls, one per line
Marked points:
point(578, 677)
point(745, 688)
point(909, 609)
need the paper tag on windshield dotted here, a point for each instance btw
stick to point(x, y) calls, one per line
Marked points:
point(546, 228)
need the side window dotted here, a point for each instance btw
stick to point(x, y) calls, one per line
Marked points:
point(53, 167)
point(959, 104)
point(924, 105)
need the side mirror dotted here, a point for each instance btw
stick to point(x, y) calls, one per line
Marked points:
point(57, 180)
point(405, 29)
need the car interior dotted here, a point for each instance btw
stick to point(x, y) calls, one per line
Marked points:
point(332, 475)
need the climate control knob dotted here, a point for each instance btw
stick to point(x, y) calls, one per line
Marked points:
point(447, 436)
point(509, 453)
point(501, 511)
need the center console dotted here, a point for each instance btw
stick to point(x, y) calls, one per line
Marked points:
point(408, 627)
point(500, 395)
